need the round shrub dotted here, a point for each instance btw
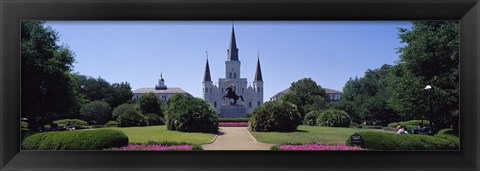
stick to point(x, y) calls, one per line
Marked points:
point(131, 119)
point(154, 119)
point(122, 109)
point(76, 140)
point(334, 118)
point(311, 118)
point(111, 124)
point(96, 111)
point(77, 123)
point(390, 141)
point(189, 114)
point(278, 116)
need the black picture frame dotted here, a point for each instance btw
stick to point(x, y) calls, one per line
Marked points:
point(12, 11)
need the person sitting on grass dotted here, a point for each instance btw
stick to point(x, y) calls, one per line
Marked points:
point(401, 130)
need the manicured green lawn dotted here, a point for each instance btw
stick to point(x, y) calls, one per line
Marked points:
point(309, 134)
point(160, 133)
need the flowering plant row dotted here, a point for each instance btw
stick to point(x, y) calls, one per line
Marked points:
point(233, 124)
point(155, 147)
point(315, 147)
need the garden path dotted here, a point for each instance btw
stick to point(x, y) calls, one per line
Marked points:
point(236, 138)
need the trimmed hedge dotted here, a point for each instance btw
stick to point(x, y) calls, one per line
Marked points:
point(111, 124)
point(233, 119)
point(77, 123)
point(391, 141)
point(76, 140)
point(448, 134)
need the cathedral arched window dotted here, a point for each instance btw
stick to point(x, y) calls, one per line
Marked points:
point(230, 75)
point(258, 103)
point(250, 104)
point(242, 90)
point(235, 75)
point(215, 104)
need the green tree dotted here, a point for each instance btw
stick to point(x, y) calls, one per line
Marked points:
point(96, 88)
point(366, 98)
point(431, 56)
point(124, 109)
point(122, 93)
point(91, 89)
point(149, 103)
point(307, 95)
point(47, 83)
point(98, 112)
point(307, 89)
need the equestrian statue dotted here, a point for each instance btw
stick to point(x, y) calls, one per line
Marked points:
point(232, 95)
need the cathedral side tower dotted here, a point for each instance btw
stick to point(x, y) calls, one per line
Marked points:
point(258, 84)
point(207, 83)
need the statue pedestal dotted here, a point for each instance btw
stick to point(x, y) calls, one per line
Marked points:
point(233, 111)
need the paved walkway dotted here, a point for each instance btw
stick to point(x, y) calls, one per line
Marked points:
point(236, 138)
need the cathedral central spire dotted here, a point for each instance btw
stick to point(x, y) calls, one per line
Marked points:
point(233, 50)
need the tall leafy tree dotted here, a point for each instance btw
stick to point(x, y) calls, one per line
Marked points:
point(431, 56)
point(122, 93)
point(47, 85)
point(307, 95)
point(150, 103)
point(366, 98)
point(92, 89)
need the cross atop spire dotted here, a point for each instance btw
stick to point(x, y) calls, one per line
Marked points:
point(233, 50)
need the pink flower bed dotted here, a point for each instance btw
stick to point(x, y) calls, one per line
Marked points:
point(154, 147)
point(317, 147)
point(233, 124)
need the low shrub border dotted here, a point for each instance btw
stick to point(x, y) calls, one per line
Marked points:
point(310, 147)
point(389, 141)
point(160, 146)
point(76, 140)
point(233, 124)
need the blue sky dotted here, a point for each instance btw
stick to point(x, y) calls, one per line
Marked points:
point(138, 51)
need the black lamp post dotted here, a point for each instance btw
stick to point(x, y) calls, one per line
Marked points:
point(429, 90)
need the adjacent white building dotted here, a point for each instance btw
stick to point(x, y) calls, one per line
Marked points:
point(252, 94)
point(161, 90)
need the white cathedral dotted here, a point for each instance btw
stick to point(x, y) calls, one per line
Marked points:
point(214, 94)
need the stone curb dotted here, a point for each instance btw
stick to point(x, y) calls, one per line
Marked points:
point(214, 139)
point(256, 139)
